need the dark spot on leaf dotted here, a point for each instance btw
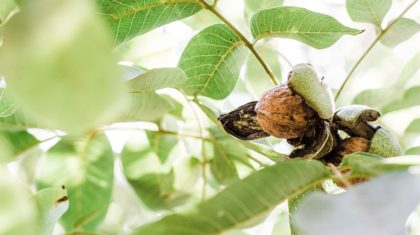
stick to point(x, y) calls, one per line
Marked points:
point(63, 199)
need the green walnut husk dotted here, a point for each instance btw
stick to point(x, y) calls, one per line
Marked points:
point(385, 144)
point(353, 119)
point(304, 81)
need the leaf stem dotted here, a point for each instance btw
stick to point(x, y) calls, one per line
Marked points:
point(246, 42)
point(339, 176)
point(159, 131)
point(203, 144)
point(372, 45)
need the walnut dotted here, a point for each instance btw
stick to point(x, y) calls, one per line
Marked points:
point(352, 145)
point(284, 114)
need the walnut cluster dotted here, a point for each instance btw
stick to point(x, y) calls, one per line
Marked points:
point(303, 112)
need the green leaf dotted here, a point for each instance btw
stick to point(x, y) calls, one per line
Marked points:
point(15, 142)
point(156, 79)
point(265, 151)
point(161, 144)
point(410, 98)
point(17, 207)
point(362, 209)
point(402, 30)
point(294, 203)
point(413, 151)
point(370, 11)
point(147, 106)
point(413, 127)
point(128, 19)
point(55, 80)
point(252, 6)
point(370, 165)
point(381, 97)
point(86, 168)
point(243, 200)
point(7, 9)
point(226, 151)
point(144, 103)
point(315, 29)
point(143, 169)
point(157, 191)
point(212, 61)
point(52, 204)
point(222, 167)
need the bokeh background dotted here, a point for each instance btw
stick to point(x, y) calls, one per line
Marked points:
point(162, 47)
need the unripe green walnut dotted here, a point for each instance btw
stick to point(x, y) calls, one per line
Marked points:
point(288, 111)
point(354, 120)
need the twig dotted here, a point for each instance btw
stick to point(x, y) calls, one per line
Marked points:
point(380, 35)
point(339, 176)
point(203, 144)
point(246, 42)
point(159, 131)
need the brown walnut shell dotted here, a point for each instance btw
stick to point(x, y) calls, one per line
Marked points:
point(352, 145)
point(284, 114)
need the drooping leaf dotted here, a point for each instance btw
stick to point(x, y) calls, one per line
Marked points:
point(86, 168)
point(252, 6)
point(212, 62)
point(156, 79)
point(402, 30)
point(410, 98)
point(18, 210)
point(243, 200)
point(70, 81)
point(52, 204)
point(157, 191)
point(362, 209)
point(315, 29)
point(128, 19)
point(381, 97)
point(370, 11)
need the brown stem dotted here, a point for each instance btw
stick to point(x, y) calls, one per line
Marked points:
point(380, 35)
point(246, 42)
